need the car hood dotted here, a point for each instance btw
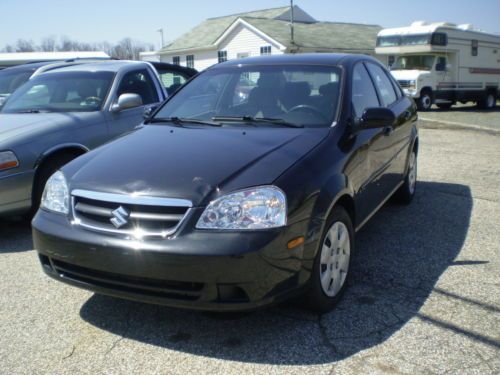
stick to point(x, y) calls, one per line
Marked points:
point(195, 163)
point(18, 127)
point(408, 74)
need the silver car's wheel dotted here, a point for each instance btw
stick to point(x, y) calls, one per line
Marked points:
point(334, 261)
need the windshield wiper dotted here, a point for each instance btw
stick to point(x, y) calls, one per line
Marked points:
point(34, 111)
point(277, 121)
point(181, 121)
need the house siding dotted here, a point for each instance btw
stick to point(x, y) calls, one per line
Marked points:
point(202, 59)
point(243, 40)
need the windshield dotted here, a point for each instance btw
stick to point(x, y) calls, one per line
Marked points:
point(61, 92)
point(295, 94)
point(417, 62)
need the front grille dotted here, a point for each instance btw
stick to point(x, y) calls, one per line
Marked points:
point(190, 291)
point(404, 83)
point(137, 216)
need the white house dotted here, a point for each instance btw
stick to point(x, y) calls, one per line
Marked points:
point(263, 32)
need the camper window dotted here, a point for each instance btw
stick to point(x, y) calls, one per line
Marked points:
point(474, 48)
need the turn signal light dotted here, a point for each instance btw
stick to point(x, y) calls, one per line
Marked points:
point(8, 160)
point(295, 242)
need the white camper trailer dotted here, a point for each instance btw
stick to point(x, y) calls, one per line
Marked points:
point(443, 63)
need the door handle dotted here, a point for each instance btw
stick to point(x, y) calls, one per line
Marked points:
point(407, 115)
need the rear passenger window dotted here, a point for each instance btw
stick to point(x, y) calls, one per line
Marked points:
point(139, 82)
point(383, 84)
point(363, 92)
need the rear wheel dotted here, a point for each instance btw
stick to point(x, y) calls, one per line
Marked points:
point(424, 103)
point(406, 192)
point(332, 263)
point(489, 102)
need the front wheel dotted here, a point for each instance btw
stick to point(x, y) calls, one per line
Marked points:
point(424, 103)
point(406, 192)
point(489, 102)
point(332, 263)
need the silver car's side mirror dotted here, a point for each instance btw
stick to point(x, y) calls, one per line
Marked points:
point(126, 101)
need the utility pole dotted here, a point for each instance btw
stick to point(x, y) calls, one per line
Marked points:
point(161, 36)
point(291, 23)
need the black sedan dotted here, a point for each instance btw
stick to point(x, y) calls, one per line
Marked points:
point(222, 203)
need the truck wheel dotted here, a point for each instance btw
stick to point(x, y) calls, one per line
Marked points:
point(332, 263)
point(44, 172)
point(424, 103)
point(489, 102)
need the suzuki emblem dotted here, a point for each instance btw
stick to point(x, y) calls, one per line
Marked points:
point(120, 217)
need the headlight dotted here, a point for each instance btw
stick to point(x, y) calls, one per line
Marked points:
point(255, 208)
point(56, 195)
point(412, 83)
point(8, 160)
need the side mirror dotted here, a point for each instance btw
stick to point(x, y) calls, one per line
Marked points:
point(448, 66)
point(377, 117)
point(126, 101)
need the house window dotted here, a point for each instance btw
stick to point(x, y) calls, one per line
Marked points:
point(474, 48)
point(176, 60)
point(222, 55)
point(190, 61)
point(265, 50)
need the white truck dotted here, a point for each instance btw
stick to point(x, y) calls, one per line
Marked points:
point(442, 63)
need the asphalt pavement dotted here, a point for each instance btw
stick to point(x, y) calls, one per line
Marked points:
point(424, 297)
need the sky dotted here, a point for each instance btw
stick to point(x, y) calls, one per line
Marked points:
point(112, 20)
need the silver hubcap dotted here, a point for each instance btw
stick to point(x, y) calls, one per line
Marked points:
point(490, 101)
point(334, 262)
point(426, 101)
point(412, 172)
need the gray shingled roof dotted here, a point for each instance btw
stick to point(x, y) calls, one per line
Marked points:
point(207, 32)
point(320, 35)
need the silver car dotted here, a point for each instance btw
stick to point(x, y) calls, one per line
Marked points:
point(61, 114)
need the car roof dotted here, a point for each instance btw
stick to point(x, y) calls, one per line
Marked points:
point(28, 67)
point(101, 66)
point(300, 58)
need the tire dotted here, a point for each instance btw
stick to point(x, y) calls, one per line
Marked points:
point(46, 170)
point(333, 268)
point(406, 192)
point(444, 105)
point(489, 102)
point(424, 103)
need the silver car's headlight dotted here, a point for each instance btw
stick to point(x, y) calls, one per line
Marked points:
point(8, 160)
point(56, 194)
point(260, 207)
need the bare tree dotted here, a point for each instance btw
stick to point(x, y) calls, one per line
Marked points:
point(48, 44)
point(126, 49)
point(24, 45)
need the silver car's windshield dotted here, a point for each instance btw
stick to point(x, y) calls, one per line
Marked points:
point(302, 95)
point(61, 92)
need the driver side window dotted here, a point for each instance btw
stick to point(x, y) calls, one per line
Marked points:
point(363, 93)
point(139, 82)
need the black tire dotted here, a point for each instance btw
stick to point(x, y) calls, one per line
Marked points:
point(406, 192)
point(424, 103)
point(444, 105)
point(489, 101)
point(316, 299)
point(46, 170)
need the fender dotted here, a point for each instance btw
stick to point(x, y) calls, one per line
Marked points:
point(59, 147)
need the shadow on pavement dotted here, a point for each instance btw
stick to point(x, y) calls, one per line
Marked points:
point(401, 254)
point(15, 236)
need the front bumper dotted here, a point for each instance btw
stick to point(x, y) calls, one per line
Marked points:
point(412, 92)
point(15, 192)
point(204, 270)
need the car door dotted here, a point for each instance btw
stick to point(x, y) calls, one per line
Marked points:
point(366, 164)
point(396, 138)
point(138, 82)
